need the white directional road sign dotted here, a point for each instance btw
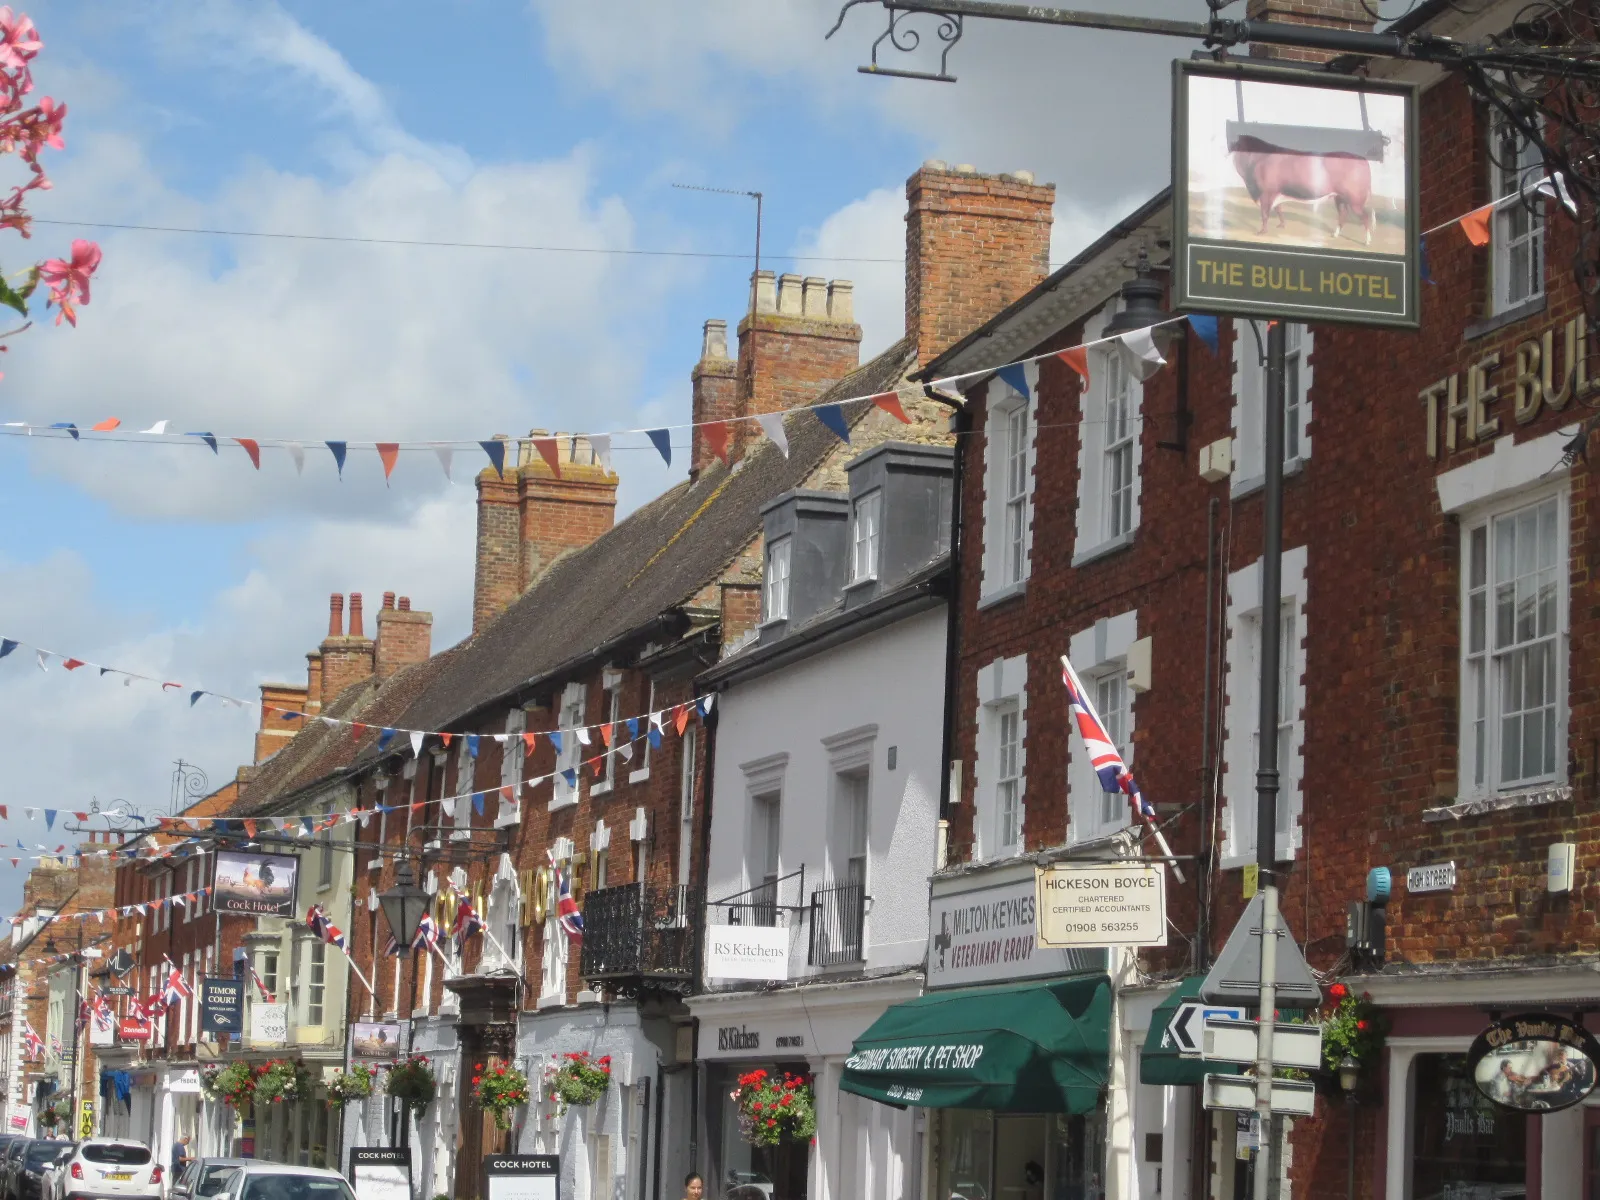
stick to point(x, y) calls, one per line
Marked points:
point(1238, 1092)
point(1188, 1023)
point(1237, 1041)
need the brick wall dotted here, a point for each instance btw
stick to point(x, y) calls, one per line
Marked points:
point(274, 731)
point(974, 243)
point(405, 636)
point(715, 381)
point(346, 657)
point(1382, 624)
point(804, 339)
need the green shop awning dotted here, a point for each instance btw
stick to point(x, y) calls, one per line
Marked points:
point(1031, 1047)
point(1160, 1062)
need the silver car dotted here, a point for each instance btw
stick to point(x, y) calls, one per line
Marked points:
point(275, 1181)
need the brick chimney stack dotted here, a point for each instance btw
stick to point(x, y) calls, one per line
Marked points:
point(531, 517)
point(346, 657)
point(805, 339)
point(274, 732)
point(715, 380)
point(974, 243)
point(1336, 14)
point(404, 637)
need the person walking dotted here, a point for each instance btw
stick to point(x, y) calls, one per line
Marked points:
point(180, 1159)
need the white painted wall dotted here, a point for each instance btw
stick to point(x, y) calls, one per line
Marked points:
point(891, 678)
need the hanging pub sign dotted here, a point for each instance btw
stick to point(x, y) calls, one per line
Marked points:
point(222, 1006)
point(1294, 196)
point(1534, 1062)
point(261, 885)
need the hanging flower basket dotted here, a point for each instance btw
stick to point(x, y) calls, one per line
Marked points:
point(500, 1090)
point(233, 1084)
point(59, 1113)
point(280, 1079)
point(1352, 1025)
point(774, 1110)
point(412, 1082)
point(354, 1084)
point(578, 1080)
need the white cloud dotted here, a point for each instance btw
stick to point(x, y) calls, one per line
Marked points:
point(871, 227)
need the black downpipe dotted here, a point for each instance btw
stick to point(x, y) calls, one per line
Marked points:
point(644, 1132)
point(713, 719)
point(661, 1107)
point(1202, 953)
point(952, 650)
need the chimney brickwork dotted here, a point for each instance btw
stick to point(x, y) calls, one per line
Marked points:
point(1336, 14)
point(531, 517)
point(274, 732)
point(346, 657)
point(974, 243)
point(405, 637)
point(804, 337)
point(715, 380)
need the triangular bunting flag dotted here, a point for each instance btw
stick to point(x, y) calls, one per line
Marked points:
point(605, 733)
point(583, 735)
point(389, 454)
point(71, 664)
point(385, 737)
point(339, 450)
point(49, 818)
point(1078, 359)
point(633, 729)
point(1015, 375)
point(662, 440)
point(253, 449)
point(194, 698)
point(571, 777)
point(890, 403)
point(1476, 225)
point(1206, 328)
point(1144, 358)
point(550, 452)
point(772, 425)
point(444, 455)
point(529, 740)
point(160, 427)
point(416, 742)
point(298, 453)
point(472, 745)
point(107, 425)
point(555, 739)
point(496, 450)
point(69, 427)
point(477, 803)
point(209, 439)
point(682, 719)
point(446, 738)
point(716, 435)
point(601, 444)
point(7, 645)
point(832, 417)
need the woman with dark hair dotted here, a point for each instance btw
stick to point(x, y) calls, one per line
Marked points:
point(694, 1187)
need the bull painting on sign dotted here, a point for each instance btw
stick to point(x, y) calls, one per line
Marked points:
point(1294, 195)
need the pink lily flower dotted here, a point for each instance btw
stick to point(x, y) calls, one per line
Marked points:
point(69, 280)
point(19, 40)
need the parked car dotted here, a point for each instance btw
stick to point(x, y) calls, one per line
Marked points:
point(10, 1165)
point(106, 1169)
point(204, 1178)
point(38, 1159)
point(274, 1181)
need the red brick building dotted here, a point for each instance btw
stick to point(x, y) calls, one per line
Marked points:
point(1439, 705)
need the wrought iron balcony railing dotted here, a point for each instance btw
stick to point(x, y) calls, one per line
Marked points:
point(637, 937)
point(838, 923)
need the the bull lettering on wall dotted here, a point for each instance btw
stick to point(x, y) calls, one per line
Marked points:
point(1528, 378)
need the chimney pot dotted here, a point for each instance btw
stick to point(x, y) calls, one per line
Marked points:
point(965, 169)
point(841, 301)
point(935, 164)
point(815, 302)
point(388, 599)
point(714, 340)
point(789, 300)
point(1020, 176)
point(355, 615)
point(766, 292)
point(405, 603)
point(336, 615)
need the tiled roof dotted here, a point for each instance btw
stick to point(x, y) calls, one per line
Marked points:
point(649, 564)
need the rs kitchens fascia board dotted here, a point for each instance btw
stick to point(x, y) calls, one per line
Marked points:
point(823, 996)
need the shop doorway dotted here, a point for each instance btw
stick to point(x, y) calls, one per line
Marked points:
point(1012, 1156)
point(740, 1170)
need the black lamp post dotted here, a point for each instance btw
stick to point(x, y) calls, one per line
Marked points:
point(404, 906)
point(1349, 1080)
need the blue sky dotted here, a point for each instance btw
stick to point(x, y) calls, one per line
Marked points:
point(553, 122)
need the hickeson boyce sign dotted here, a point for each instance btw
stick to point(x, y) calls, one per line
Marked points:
point(1102, 905)
point(990, 934)
point(1294, 196)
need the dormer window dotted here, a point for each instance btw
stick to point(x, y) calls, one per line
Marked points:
point(776, 600)
point(864, 537)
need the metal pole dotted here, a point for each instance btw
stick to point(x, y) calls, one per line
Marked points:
point(1267, 741)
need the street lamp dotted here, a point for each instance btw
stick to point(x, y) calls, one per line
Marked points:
point(404, 906)
point(1349, 1076)
point(1141, 301)
point(1349, 1079)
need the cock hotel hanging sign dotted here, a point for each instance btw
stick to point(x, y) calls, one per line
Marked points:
point(1294, 196)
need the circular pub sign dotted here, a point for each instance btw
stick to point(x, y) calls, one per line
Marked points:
point(1535, 1062)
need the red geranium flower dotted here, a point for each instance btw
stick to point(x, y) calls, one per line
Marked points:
point(1338, 991)
point(1361, 1025)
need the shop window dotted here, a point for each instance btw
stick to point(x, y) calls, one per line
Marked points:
point(981, 1155)
point(1513, 640)
point(1461, 1144)
point(739, 1170)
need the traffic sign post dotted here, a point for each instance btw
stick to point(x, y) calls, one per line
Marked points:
point(1189, 1020)
point(1286, 1097)
point(1240, 1042)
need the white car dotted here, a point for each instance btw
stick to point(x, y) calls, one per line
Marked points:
point(108, 1169)
point(275, 1181)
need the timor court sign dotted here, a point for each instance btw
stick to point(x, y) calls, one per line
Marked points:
point(1294, 195)
point(1102, 905)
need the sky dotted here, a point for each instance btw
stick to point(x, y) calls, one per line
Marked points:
point(551, 123)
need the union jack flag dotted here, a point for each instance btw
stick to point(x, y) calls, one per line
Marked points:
point(261, 985)
point(427, 934)
point(467, 923)
point(567, 913)
point(176, 988)
point(33, 1042)
point(155, 1006)
point(55, 1044)
point(318, 922)
point(1103, 756)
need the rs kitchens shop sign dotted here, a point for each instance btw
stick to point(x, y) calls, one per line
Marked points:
point(982, 931)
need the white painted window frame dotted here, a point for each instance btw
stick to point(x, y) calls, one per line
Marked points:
point(1093, 534)
point(1007, 566)
point(512, 754)
point(1098, 652)
point(1250, 397)
point(775, 585)
point(1241, 715)
point(1002, 688)
point(866, 535)
point(1516, 226)
point(569, 715)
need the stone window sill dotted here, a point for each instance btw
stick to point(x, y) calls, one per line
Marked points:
point(1254, 483)
point(1000, 595)
point(1500, 320)
point(1106, 548)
